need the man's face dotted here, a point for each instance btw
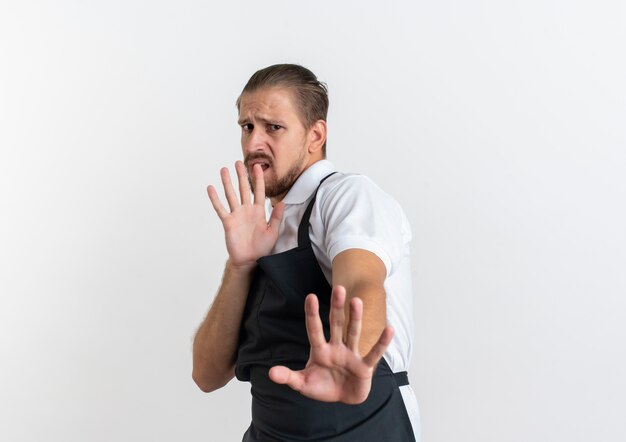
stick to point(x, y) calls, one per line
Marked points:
point(273, 136)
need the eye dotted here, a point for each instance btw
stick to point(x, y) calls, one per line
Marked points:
point(273, 127)
point(247, 127)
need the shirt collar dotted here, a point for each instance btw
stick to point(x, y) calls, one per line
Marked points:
point(308, 181)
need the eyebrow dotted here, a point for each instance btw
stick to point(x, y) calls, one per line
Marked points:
point(262, 120)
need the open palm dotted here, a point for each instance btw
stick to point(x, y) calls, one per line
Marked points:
point(335, 371)
point(248, 235)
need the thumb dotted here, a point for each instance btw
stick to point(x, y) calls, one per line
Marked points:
point(283, 375)
point(277, 215)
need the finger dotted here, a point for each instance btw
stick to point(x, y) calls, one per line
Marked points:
point(217, 204)
point(277, 215)
point(314, 327)
point(354, 324)
point(283, 375)
point(231, 196)
point(377, 351)
point(259, 184)
point(244, 185)
point(337, 314)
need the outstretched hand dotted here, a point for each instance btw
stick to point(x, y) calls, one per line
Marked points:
point(248, 234)
point(335, 370)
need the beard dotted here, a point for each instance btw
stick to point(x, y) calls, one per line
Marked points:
point(282, 184)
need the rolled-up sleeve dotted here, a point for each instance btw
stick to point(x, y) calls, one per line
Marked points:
point(357, 214)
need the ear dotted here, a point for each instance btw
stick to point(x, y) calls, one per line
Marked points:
point(317, 136)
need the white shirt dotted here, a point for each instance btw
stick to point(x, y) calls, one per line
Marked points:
point(352, 212)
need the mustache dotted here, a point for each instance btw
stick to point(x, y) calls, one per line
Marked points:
point(257, 156)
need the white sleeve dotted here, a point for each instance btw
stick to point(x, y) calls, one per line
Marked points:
point(357, 214)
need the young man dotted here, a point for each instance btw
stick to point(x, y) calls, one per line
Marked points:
point(315, 305)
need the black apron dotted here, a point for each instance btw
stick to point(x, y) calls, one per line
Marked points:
point(273, 332)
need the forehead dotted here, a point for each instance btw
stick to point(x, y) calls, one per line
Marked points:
point(268, 102)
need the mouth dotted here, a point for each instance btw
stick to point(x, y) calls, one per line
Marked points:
point(265, 164)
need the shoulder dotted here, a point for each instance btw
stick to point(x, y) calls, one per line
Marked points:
point(349, 190)
point(356, 213)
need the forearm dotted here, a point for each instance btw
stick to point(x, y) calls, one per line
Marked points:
point(215, 343)
point(363, 274)
point(374, 312)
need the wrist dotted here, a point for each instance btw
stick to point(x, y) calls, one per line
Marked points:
point(240, 269)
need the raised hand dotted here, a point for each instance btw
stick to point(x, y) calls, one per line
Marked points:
point(248, 235)
point(335, 370)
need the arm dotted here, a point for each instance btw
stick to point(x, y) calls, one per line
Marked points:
point(248, 237)
point(215, 344)
point(362, 273)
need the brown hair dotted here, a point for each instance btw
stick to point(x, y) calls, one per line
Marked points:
point(310, 94)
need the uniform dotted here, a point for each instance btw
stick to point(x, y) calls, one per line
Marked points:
point(322, 220)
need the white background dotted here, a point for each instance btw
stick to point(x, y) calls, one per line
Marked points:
point(499, 126)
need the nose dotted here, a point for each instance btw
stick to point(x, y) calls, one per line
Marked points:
point(254, 141)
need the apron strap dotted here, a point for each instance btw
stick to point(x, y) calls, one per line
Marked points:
point(402, 378)
point(303, 228)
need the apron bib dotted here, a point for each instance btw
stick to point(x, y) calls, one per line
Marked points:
point(273, 332)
